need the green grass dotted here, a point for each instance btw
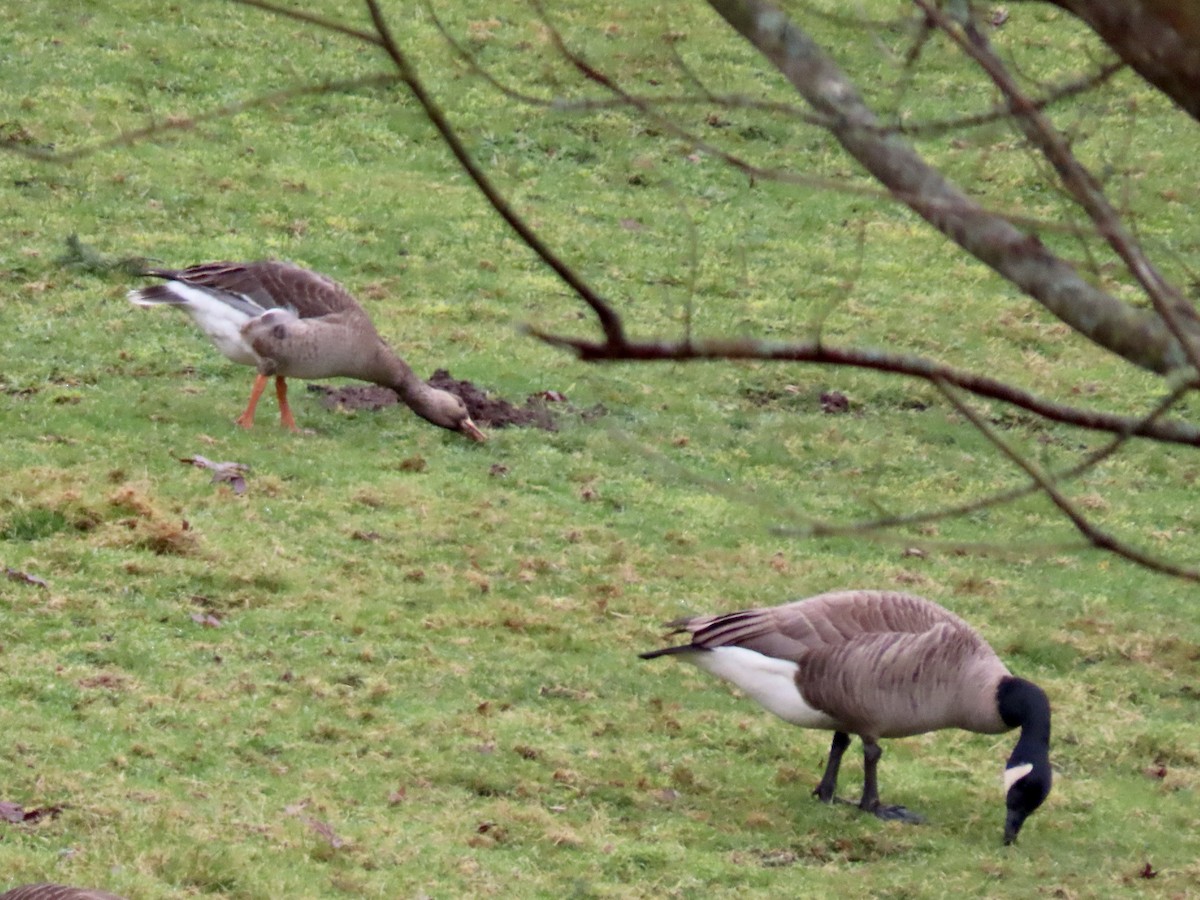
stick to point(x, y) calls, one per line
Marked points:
point(439, 664)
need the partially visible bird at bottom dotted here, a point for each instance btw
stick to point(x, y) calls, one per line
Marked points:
point(291, 322)
point(877, 664)
point(47, 891)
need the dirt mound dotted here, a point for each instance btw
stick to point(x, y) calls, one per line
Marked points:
point(486, 409)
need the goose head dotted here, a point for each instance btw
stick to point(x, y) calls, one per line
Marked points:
point(447, 410)
point(1026, 787)
point(1027, 774)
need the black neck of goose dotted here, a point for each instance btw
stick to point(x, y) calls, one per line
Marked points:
point(1022, 703)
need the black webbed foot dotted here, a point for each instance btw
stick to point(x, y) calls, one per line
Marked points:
point(895, 814)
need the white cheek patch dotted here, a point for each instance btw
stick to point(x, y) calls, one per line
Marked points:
point(1015, 774)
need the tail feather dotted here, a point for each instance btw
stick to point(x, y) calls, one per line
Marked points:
point(179, 293)
point(153, 295)
point(672, 651)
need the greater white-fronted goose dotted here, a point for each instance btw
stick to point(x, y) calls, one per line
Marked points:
point(288, 321)
point(877, 664)
point(47, 891)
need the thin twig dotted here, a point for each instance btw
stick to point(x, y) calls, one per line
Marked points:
point(1098, 538)
point(186, 123)
point(610, 322)
point(1087, 192)
point(828, 529)
point(736, 493)
point(314, 19)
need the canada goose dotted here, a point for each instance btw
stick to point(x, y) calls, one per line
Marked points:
point(55, 892)
point(288, 321)
point(877, 664)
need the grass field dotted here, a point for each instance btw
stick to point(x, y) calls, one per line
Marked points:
point(401, 664)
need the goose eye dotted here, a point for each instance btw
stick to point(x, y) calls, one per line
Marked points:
point(279, 332)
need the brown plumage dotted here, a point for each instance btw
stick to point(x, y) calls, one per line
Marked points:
point(288, 321)
point(46, 891)
point(877, 664)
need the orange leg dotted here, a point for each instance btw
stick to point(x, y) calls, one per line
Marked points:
point(286, 419)
point(246, 419)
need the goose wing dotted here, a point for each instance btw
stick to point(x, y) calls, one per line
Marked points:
point(269, 283)
point(881, 663)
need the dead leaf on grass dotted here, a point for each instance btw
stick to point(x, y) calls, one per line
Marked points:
point(19, 815)
point(323, 829)
point(834, 402)
point(25, 577)
point(208, 620)
point(232, 472)
point(413, 464)
point(107, 680)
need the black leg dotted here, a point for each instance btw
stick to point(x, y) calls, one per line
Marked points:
point(870, 795)
point(828, 786)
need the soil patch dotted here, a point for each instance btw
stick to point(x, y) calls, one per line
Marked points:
point(540, 410)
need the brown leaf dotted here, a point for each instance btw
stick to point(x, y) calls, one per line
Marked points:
point(25, 577)
point(413, 464)
point(11, 812)
point(107, 680)
point(396, 797)
point(208, 620)
point(498, 469)
point(1158, 770)
point(325, 831)
point(834, 402)
point(43, 812)
point(18, 815)
point(1148, 871)
point(232, 472)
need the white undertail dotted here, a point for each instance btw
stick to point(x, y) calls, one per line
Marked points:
point(768, 681)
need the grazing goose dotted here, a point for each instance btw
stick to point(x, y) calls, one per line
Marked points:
point(55, 892)
point(880, 665)
point(287, 321)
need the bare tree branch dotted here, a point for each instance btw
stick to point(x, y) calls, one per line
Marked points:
point(610, 322)
point(1095, 536)
point(1137, 335)
point(1179, 316)
point(187, 123)
point(313, 19)
point(1064, 91)
point(1160, 39)
point(1171, 431)
point(830, 529)
point(706, 97)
